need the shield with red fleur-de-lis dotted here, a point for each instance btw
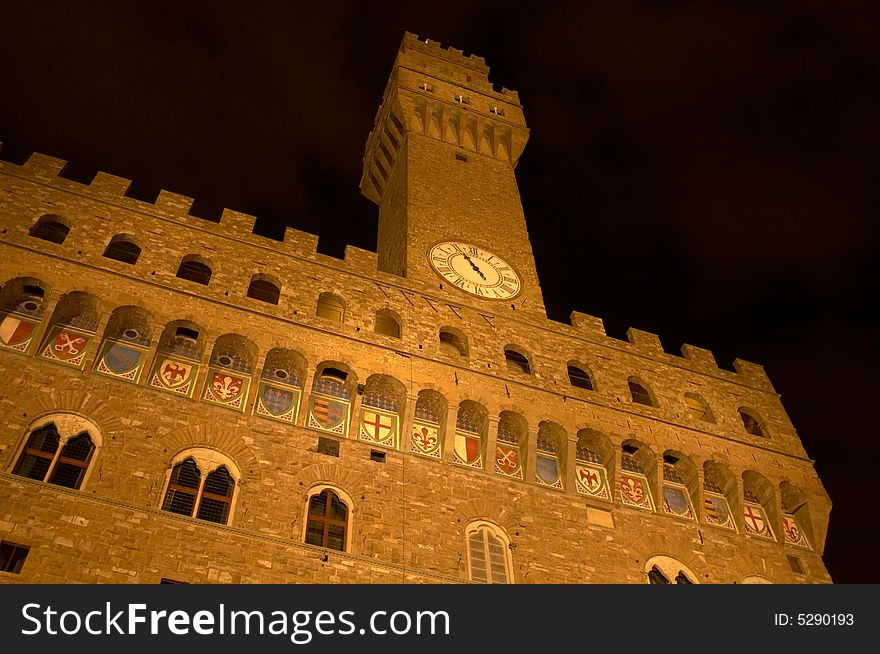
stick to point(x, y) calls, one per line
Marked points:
point(224, 387)
point(425, 439)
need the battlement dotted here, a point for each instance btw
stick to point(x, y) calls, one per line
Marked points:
point(303, 245)
point(476, 69)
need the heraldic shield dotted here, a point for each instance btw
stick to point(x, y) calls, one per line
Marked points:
point(467, 449)
point(175, 375)
point(507, 461)
point(547, 471)
point(378, 427)
point(16, 333)
point(425, 439)
point(755, 521)
point(226, 388)
point(277, 402)
point(793, 534)
point(67, 345)
point(675, 502)
point(120, 360)
point(328, 414)
point(590, 480)
point(717, 511)
point(634, 491)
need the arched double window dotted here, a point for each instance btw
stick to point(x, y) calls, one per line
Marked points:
point(666, 570)
point(327, 521)
point(488, 554)
point(59, 451)
point(202, 485)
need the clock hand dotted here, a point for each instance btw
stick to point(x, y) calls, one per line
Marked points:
point(474, 266)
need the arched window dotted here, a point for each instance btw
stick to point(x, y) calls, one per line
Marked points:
point(126, 343)
point(666, 570)
point(719, 492)
point(176, 365)
point(72, 330)
point(513, 431)
point(122, 248)
point(470, 432)
point(751, 422)
point(591, 473)
point(427, 433)
point(550, 455)
point(22, 302)
point(679, 482)
point(380, 407)
point(697, 408)
point(758, 497)
point(387, 323)
point(331, 307)
point(207, 497)
point(517, 360)
point(327, 521)
point(453, 342)
point(194, 269)
point(796, 523)
point(264, 290)
point(639, 393)
point(50, 228)
point(229, 375)
point(637, 463)
point(488, 550)
point(280, 385)
point(330, 400)
point(579, 378)
point(44, 458)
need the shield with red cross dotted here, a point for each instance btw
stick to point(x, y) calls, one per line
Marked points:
point(378, 427)
point(755, 521)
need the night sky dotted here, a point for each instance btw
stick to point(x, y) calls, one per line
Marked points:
point(705, 171)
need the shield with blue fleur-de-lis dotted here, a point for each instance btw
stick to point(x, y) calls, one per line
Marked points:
point(277, 402)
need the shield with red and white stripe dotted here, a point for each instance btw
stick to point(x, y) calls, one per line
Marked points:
point(15, 332)
point(467, 447)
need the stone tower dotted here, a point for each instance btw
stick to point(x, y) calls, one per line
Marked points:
point(189, 401)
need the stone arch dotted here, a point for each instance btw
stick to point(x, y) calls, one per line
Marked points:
point(759, 498)
point(24, 295)
point(681, 481)
point(797, 526)
point(517, 358)
point(124, 248)
point(331, 307)
point(183, 337)
point(234, 352)
point(579, 376)
point(195, 268)
point(51, 227)
point(285, 365)
point(698, 408)
point(511, 450)
point(638, 475)
point(595, 464)
point(551, 454)
point(721, 503)
point(453, 342)
point(674, 546)
point(640, 392)
point(214, 435)
point(264, 287)
point(752, 422)
point(388, 323)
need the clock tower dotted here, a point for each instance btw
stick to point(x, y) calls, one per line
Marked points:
point(440, 163)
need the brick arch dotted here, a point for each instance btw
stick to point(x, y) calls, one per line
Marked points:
point(332, 474)
point(213, 435)
point(76, 401)
point(678, 547)
point(745, 564)
point(482, 509)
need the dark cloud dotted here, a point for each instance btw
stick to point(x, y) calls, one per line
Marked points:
point(706, 171)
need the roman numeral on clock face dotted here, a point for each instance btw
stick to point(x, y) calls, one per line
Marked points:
point(473, 270)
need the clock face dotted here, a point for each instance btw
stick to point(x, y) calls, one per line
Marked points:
point(474, 270)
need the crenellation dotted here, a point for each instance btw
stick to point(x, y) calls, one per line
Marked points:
point(754, 374)
point(591, 326)
point(105, 183)
point(41, 166)
point(699, 358)
point(645, 342)
point(174, 204)
point(239, 224)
